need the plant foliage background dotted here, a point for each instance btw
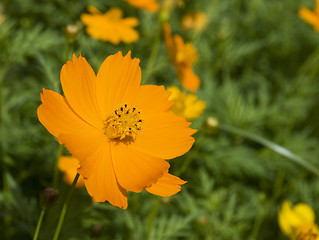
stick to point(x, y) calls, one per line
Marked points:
point(258, 64)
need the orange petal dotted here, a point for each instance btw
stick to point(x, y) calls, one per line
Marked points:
point(87, 148)
point(102, 184)
point(166, 186)
point(117, 82)
point(164, 135)
point(309, 17)
point(69, 166)
point(135, 170)
point(78, 82)
point(189, 79)
point(55, 114)
point(127, 34)
point(152, 99)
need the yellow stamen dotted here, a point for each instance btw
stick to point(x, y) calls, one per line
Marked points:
point(124, 122)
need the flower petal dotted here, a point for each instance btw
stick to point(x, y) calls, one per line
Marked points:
point(135, 170)
point(166, 186)
point(78, 82)
point(86, 147)
point(117, 82)
point(152, 99)
point(55, 114)
point(69, 166)
point(309, 17)
point(164, 135)
point(305, 212)
point(102, 184)
point(189, 79)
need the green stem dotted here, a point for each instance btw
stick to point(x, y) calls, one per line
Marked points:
point(273, 146)
point(191, 155)
point(153, 56)
point(152, 215)
point(305, 76)
point(55, 167)
point(65, 207)
point(37, 230)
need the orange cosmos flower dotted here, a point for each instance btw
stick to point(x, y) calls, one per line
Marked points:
point(110, 26)
point(121, 132)
point(149, 5)
point(183, 56)
point(69, 166)
point(185, 105)
point(195, 20)
point(311, 17)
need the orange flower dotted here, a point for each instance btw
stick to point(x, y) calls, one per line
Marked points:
point(183, 56)
point(121, 132)
point(149, 5)
point(110, 26)
point(311, 17)
point(185, 105)
point(69, 166)
point(195, 20)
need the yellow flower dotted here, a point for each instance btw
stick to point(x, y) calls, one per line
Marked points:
point(195, 20)
point(149, 5)
point(183, 56)
point(69, 166)
point(120, 132)
point(311, 17)
point(298, 222)
point(186, 105)
point(110, 26)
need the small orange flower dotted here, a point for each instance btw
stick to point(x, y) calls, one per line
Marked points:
point(183, 56)
point(121, 132)
point(149, 5)
point(195, 20)
point(311, 17)
point(69, 166)
point(110, 26)
point(185, 105)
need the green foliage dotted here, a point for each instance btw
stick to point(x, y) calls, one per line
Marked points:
point(258, 64)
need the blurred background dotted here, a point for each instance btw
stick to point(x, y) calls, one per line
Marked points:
point(258, 66)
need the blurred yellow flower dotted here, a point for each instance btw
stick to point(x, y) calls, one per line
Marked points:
point(149, 5)
point(298, 222)
point(311, 17)
point(195, 20)
point(110, 26)
point(183, 56)
point(69, 166)
point(185, 105)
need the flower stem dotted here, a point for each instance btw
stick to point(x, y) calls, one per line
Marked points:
point(37, 230)
point(153, 56)
point(65, 207)
point(273, 146)
point(55, 167)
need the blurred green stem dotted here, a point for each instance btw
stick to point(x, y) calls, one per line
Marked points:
point(37, 230)
point(65, 207)
point(191, 155)
point(55, 167)
point(151, 61)
point(273, 146)
point(305, 75)
point(152, 215)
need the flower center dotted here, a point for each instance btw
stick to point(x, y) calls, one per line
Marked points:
point(124, 122)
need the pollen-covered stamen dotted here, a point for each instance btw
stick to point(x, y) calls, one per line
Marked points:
point(125, 121)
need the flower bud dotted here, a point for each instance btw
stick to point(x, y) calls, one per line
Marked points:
point(212, 122)
point(48, 197)
point(71, 32)
point(96, 230)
